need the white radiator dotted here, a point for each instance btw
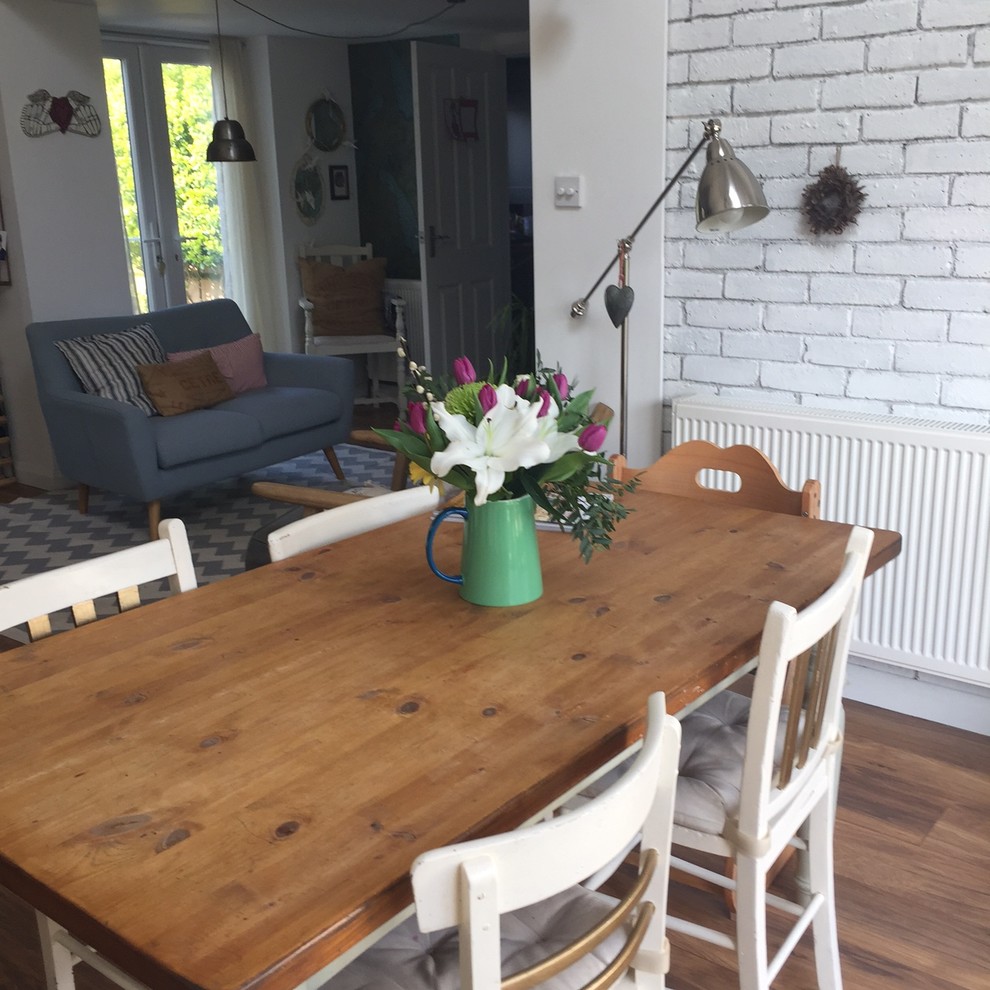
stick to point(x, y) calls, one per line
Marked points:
point(930, 609)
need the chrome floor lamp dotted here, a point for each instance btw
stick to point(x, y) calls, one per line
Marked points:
point(729, 198)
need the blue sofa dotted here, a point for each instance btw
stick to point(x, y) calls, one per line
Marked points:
point(114, 446)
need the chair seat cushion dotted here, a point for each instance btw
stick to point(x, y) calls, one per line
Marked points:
point(406, 959)
point(713, 744)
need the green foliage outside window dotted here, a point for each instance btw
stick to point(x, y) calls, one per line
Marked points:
point(189, 112)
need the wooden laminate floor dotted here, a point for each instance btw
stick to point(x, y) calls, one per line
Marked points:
point(912, 873)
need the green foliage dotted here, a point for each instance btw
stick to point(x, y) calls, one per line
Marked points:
point(188, 91)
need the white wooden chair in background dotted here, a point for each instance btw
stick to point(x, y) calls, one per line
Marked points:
point(344, 344)
point(514, 900)
point(350, 519)
point(749, 791)
point(32, 601)
point(368, 345)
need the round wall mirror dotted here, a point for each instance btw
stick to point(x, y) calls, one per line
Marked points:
point(325, 124)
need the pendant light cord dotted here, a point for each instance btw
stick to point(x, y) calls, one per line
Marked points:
point(223, 77)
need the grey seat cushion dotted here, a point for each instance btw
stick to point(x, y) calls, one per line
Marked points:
point(406, 959)
point(713, 745)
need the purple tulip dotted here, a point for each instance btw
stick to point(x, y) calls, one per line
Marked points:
point(592, 437)
point(544, 396)
point(487, 398)
point(416, 412)
point(464, 371)
point(522, 388)
point(563, 388)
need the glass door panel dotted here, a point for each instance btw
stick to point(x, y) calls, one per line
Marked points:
point(161, 117)
point(188, 91)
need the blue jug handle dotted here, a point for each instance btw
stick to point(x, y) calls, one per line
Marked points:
point(452, 578)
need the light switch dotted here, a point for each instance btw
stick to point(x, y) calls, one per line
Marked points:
point(567, 191)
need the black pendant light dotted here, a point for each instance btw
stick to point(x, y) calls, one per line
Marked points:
point(229, 143)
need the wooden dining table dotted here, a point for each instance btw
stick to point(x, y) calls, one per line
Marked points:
point(226, 789)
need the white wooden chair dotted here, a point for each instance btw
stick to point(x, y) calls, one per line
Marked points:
point(749, 791)
point(351, 519)
point(514, 901)
point(365, 343)
point(32, 601)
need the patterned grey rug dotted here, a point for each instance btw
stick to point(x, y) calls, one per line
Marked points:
point(41, 533)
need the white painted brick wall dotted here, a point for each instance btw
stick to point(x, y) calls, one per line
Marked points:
point(893, 314)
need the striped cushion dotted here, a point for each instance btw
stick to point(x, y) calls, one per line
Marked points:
point(106, 363)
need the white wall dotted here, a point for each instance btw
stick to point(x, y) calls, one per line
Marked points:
point(289, 74)
point(67, 251)
point(892, 315)
point(598, 112)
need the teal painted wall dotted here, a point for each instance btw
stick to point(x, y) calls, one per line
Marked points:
point(385, 159)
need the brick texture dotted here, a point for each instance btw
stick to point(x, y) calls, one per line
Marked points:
point(891, 315)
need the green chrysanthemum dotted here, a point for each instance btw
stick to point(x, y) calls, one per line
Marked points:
point(463, 400)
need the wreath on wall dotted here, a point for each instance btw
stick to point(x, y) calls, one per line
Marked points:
point(833, 202)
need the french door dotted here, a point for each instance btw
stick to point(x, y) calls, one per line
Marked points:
point(161, 115)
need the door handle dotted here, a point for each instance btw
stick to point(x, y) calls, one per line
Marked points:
point(434, 238)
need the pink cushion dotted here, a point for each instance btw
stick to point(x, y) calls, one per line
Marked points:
point(240, 362)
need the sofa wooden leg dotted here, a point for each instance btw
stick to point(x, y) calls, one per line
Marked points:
point(83, 499)
point(334, 463)
point(154, 517)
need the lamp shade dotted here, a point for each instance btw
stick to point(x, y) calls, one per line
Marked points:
point(729, 195)
point(229, 143)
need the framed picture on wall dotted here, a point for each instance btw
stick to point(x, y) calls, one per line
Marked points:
point(340, 182)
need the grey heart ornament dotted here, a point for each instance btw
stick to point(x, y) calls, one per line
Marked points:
point(618, 302)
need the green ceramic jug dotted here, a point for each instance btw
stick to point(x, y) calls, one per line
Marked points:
point(500, 559)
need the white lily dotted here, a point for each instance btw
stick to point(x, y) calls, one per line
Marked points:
point(508, 437)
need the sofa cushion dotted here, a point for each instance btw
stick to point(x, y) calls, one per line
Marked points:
point(182, 386)
point(202, 434)
point(106, 363)
point(281, 410)
point(346, 301)
point(241, 362)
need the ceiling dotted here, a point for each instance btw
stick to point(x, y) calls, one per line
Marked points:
point(362, 20)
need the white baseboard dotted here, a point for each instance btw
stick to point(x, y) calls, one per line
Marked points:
point(938, 699)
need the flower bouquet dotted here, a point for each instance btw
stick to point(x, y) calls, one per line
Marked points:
point(497, 441)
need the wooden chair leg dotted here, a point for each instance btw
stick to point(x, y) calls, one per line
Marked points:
point(400, 472)
point(154, 517)
point(83, 499)
point(331, 456)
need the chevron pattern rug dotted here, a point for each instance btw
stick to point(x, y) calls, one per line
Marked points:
point(46, 532)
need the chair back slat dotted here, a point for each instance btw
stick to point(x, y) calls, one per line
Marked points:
point(801, 666)
point(341, 255)
point(39, 627)
point(128, 598)
point(83, 612)
point(547, 968)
